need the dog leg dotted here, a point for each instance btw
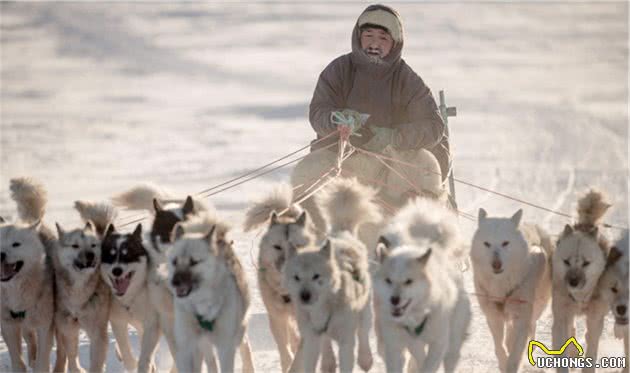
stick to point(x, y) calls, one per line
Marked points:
point(280, 331)
point(311, 345)
point(60, 358)
point(121, 333)
point(31, 347)
point(150, 338)
point(297, 365)
point(12, 335)
point(394, 359)
point(363, 333)
point(594, 327)
point(328, 363)
point(293, 335)
point(520, 330)
point(562, 324)
point(626, 368)
point(186, 340)
point(226, 352)
point(246, 355)
point(418, 355)
point(98, 347)
point(44, 346)
point(70, 335)
point(496, 324)
point(211, 362)
point(437, 351)
point(346, 353)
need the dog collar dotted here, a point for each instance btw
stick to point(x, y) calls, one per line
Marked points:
point(18, 314)
point(205, 324)
point(418, 329)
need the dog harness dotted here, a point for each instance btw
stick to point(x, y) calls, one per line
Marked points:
point(205, 324)
point(18, 314)
point(418, 329)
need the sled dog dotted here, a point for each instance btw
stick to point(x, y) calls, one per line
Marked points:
point(126, 268)
point(420, 301)
point(83, 299)
point(614, 287)
point(27, 279)
point(578, 263)
point(512, 274)
point(330, 285)
point(210, 295)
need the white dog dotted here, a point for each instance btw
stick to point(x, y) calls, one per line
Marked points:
point(287, 226)
point(578, 263)
point(614, 287)
point(418, 290)
point(211, 295)
point(27, 279)
point(511, 265)
point(83, 299)
point(330, 286)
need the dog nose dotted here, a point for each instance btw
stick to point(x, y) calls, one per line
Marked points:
point(621, 310)
point(496, 264)
point(395, 300)
point(3, 257)
point(117, 271)
point(89, 256)
point(573, 281)
point(305, 296)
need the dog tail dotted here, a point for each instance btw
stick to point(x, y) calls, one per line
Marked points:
point(278, 200)
point(591, 208)
point(141, 197)
point(544, 240)
point(100, 214)
point(30, 197)
point(349, 204)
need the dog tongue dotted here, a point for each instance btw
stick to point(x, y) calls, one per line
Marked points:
point(121, 284)
point(7, 270)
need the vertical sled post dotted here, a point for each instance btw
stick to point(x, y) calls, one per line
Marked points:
point(446, 112)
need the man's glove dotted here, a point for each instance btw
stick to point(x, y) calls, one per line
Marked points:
point(382, 137)
point(349, 118)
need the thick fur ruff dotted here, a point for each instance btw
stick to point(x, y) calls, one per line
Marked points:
point(385, 19)
point(348, 204)
point(591, 208)
point(30, 197)
point(100, 214)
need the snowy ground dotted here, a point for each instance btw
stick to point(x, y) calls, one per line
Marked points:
point(97, 97)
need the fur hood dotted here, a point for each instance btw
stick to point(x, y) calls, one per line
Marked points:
point(388, 18)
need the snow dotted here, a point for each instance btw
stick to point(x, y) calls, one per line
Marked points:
point(99, 96)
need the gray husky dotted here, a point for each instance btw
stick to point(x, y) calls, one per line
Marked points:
point(27, 279)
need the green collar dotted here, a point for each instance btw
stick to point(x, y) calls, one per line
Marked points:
point(205, 324)
point(18, 315)
point(418, 329)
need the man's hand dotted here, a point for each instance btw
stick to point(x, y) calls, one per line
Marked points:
point(349, 120)
point(382, 137)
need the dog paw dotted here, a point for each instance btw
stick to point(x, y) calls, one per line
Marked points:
point(328, 365)
point(365, 360)
point(130, 365)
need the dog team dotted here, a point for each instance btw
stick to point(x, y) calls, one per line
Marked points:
point(321, 287)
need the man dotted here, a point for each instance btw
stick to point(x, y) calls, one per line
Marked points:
point(403, 123)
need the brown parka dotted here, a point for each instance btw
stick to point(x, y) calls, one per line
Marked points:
point(390, 91)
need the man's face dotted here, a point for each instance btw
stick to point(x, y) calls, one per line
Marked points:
point(376, 42)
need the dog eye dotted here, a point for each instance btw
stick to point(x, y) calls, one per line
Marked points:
point(505, 243)
point(93, 245)
point(174, 261)
point(75, 246)
point(408, 282)
point(193, 262)
point(16, 244)
point(279, 248)
point(566, 261)
point(614, 289)
point(388, 281)
point(315, 276)
point(586, 263)
point(297, 278)
point(486, 244)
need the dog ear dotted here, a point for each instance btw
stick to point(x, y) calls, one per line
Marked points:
point(291, 251)
point(274, 218)
point(568, 229)
point(110, 229)
point(189, 206)
point(2, 220)
point(156, 205)
point(382, 248)
point(327, 250)
point(177, 232)
point(425, 257)
point(301, 220)
point(516, 218)
point(613, 256)
point(88, 227)
point(60, 231)
point(482, 215)
point(137, 233)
